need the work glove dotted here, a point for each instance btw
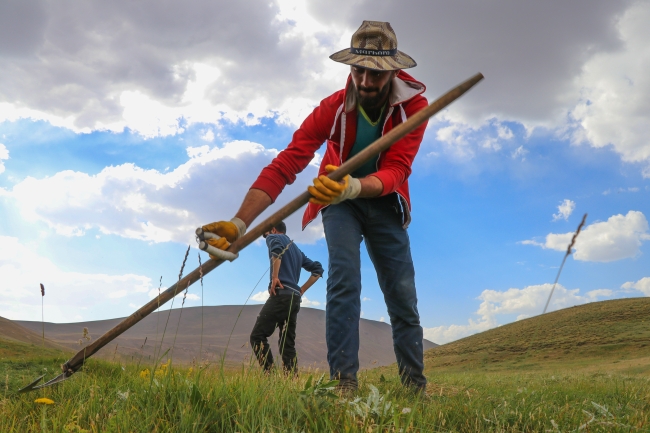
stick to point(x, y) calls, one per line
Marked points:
point(219, 235)
point(326, 191)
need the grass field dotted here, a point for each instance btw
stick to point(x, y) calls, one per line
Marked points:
point(510, 379)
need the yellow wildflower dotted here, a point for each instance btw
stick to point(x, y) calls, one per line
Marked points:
point(189, 372)
point(145, 373)
point(44, 401)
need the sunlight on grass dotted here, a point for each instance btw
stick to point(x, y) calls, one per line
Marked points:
point(120, 398)
point(523, 377)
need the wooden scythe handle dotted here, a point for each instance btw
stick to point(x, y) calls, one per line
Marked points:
point(380, 145)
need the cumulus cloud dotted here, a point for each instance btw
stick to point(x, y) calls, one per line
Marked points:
point(518, 303)
point(264, 295)
point(22, 270)
point(4, 154)
point(643, 286)
point(132, 202)
point(614, 85)
point(121, 64)
point(620, 237)
point(564, 210)
point(261, 296)
point(308, 303)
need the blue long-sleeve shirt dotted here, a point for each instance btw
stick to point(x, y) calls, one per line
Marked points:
point(293, 260)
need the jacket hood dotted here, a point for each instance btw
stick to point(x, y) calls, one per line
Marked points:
point(403, 88)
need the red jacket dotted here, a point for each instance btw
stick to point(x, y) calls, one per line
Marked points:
point(334, 121)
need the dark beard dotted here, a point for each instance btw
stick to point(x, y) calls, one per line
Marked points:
point(370, 103)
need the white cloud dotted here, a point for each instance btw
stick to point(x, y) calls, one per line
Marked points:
point(261, 296)
point(565, 209)
point(4, 154)
point(382, 319)
point(132, 202)
point(366, 299)
point(117, 294)
point(614, 85)
point(208, 136)
point(307, 303)
point(643, 286)
point(113, 65)
point(192, 297)
point(521, 303)
point(599, 293)
point(22, 270)
point(620, 190)
point(620, 237)
point(504, 133)
point(519, 153)
point(264, 295)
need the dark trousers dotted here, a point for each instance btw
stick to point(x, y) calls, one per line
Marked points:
point(280, 311)
point(377, 221)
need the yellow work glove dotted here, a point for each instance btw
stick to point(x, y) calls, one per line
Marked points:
point(327, 191)
point(228, 232)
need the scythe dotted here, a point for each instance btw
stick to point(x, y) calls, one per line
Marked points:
point(76, 362)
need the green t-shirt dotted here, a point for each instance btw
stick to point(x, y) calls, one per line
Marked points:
point(367, 133)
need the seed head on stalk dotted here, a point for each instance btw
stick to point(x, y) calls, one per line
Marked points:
point(568, 252)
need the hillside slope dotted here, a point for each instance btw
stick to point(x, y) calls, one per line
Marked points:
point(218, 324)
point(11, 331)
point(599, 333)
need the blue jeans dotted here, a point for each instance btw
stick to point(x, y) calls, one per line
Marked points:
point(378, 222)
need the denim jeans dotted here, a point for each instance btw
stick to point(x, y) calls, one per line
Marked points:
point(378, 222)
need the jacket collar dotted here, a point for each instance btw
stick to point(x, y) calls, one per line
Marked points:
point(404, 87)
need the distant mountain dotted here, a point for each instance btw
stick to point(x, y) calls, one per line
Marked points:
point(12, 331)
point(609, 335)
point(223, 326)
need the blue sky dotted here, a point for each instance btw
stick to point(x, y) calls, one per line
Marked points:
point(115, 145)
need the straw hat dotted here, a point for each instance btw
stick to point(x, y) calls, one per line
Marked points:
point(374, 46)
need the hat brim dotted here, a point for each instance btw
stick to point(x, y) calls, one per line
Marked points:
point(378, 63)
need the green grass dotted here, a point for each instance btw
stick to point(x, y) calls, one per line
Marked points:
point(108, 397)
point(584, 369)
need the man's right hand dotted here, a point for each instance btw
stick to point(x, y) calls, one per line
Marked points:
point(326, 191)
point(275, 283)
point(229, 232)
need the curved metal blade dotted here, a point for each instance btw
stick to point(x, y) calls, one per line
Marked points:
point(31, 386)
point(60, 378)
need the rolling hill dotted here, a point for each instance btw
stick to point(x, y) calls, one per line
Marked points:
point(11, 331)
point(218, 324)
point(609, 334)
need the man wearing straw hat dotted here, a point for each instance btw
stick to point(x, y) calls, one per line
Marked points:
point(372, 204)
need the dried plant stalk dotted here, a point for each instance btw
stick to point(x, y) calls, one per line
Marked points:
point(568, 252)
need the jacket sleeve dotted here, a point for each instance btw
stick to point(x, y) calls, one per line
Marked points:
point(306, 140)
point(274, 245)
point(395, 167)
point(314, 267)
